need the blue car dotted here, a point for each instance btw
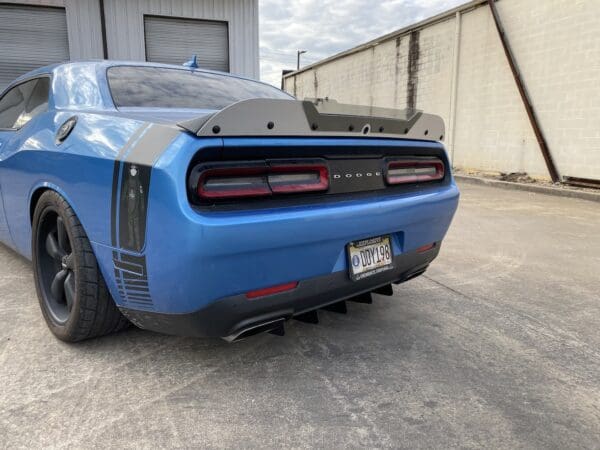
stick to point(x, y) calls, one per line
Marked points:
point(199, 203)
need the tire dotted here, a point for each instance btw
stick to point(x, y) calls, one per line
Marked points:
point(71, 290)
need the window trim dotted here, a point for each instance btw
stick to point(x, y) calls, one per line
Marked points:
point(26, 80)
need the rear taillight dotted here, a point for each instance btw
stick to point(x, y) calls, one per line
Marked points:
point(226, 182)
point(261, 180)
point(405, 171)
point(298, 178)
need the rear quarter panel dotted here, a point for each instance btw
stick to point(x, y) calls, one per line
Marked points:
point(80, 169)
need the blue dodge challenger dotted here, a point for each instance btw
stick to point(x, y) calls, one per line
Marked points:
point(198, 203)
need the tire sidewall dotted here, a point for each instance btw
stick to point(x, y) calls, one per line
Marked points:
point(51, 202)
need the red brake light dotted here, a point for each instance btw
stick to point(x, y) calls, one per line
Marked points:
point(263, 180)
point(414, 171)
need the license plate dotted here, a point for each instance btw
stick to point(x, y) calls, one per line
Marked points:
point(369, 257)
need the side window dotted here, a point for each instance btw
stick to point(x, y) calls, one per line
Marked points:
point(23, 102)
point(36, 103)
point(12, 106)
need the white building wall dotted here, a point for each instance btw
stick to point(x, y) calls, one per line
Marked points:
point(435, 68)
point(557, 49)
point(557, 45)
point(492, 129)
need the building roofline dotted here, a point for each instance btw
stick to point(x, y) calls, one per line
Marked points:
point(386, 37)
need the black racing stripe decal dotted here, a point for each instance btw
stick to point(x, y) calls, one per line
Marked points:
point(133, 288)
point(129, 197)
point(129, 267)
point(135, 184)
point(133, 283)
point(129, 207)
point(115, 183)
point(113, 204)
point(133, 259)
point(131, 276)
point(133, 206)
point(152, 145)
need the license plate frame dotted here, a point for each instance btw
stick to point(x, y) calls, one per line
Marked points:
point(356, 267)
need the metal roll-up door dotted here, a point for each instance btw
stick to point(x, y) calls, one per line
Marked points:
point(173, 41)
point(30, 37)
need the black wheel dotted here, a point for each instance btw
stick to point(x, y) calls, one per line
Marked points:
point(72, 293)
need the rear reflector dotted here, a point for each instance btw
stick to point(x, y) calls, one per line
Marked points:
point(263, 180)
point(272, 290)
point(425, 248)
point(414, 171)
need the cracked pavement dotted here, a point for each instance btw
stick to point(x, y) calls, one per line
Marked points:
point(497, 345)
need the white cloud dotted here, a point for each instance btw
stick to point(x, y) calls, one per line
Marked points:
point(327, 27)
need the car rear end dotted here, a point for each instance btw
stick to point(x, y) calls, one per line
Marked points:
point(257, 208)
point(244, 233)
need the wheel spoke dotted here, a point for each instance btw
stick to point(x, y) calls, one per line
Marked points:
point(53, 248)
point(70, 290)
point(58, 285)
point(63, 239)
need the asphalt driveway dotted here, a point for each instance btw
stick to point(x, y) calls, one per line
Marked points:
point(498, 345)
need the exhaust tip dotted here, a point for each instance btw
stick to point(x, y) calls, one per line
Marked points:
point(273, 326)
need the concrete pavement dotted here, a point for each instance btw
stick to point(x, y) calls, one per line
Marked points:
point(498, 345)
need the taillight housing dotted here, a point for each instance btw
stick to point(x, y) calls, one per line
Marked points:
point(259, 179)
point(232, 182)
point(405, 171)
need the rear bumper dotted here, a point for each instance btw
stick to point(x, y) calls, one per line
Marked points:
point(232, 316)
point(192, 260)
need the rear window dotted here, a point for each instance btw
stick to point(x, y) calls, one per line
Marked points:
point(157, 87)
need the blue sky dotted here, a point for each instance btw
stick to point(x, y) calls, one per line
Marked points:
point(326, 27)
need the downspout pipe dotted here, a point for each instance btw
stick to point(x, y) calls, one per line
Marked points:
point(103, 29)
point(454, 86)
point(524, 95)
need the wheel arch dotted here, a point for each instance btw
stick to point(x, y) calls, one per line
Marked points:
point(34, 196)
point(38, 190)
point(33, 201)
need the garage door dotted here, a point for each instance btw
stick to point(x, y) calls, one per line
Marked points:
point(30, 37)
point(174, 41)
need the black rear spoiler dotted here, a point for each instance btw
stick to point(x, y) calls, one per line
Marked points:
point(316, 118)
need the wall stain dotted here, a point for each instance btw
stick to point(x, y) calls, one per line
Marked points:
point(371, 73)
point(413, 70)
point(397, 71)
point(316, 83)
